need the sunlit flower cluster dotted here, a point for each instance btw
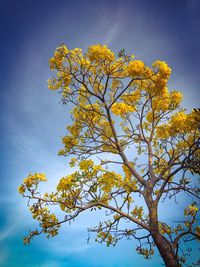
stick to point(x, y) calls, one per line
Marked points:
point(32, 180)
point(136, 68)
point(100, 52)
point(121, 108)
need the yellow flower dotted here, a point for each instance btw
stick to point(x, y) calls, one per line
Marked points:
point(84, 165)
point(176, 98)
point(65, 183)
point(150, 117)
point(21, 189)
point(178, 122)
point(116, 216)
point(135, 68)
point(127, 172)
point(162, 67)
point(100, 52)
point(131, 98)
point(69, 142)
point(137, 212)
point(73, 162)
point(191, 210)
point(59, 55)
point(122, 108)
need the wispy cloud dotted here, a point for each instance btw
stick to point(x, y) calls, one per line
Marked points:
point(8, 231)
point(112, 33)
point(13, 222)
point(115, 22)
point(69, 241)
point(71, 248)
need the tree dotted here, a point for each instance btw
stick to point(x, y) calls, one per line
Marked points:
point(129, 139)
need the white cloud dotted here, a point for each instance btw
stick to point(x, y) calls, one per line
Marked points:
point(69, 241)
point(8, 231)
point(63, 248)
point(112, 33)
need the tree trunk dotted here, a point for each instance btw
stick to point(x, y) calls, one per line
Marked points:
point(164, 246)
point(166, 251)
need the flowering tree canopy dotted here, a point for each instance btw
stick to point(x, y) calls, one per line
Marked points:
point(129, 139)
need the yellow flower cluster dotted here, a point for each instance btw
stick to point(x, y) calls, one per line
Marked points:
point(176, 98)
point(150, 116)
point(108, 180)
point(54, 84)
point(147, 253)
point(115, 84)
point(100, 52)
point(163, 102)
point(110, 148)
point(70, 185)
point(84, 63)
point(85, 165)
point(106, 237)
point(66, 183)
point(116, 217)
point(132, 97)
point(158, 82)
point(75, 129)
point(129, 183)
point(117, 69)
point(120, 109)
point(59, 55)
point(69, 142)
point(135, 68)
point(97, 87)
point(137, 212)
point(63, 80)
point(106, 131)
point(89, 113)
point(193, 121)
point(32, 179)
point(191, 210)
point(76, 52)
point(49, 221)
point(73, 162)
point(179, 123)
point(21, 189)
point(127, 172)
point(164, 228)
point(162, 67)
point(178, 120)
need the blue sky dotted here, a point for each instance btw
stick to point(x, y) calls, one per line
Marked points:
point(32, 120)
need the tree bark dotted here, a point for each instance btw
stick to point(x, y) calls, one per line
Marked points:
point(166, 251)
point(164, 246)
